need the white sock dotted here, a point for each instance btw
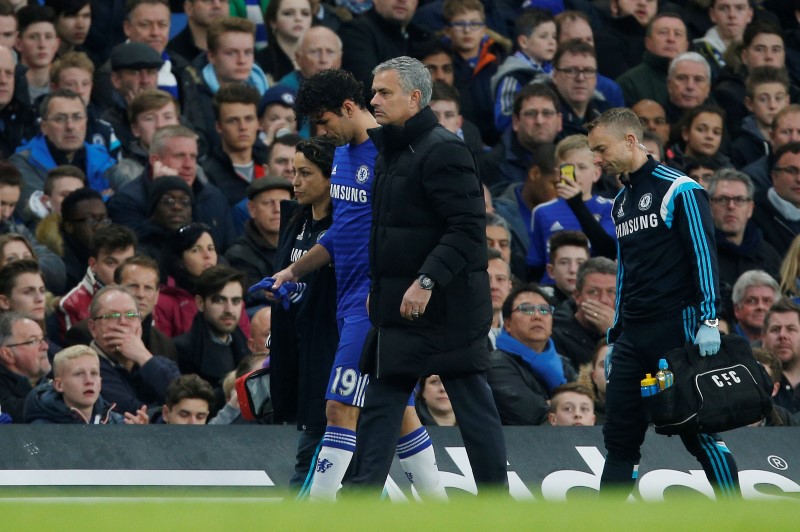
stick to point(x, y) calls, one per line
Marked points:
point(418, 460)
point(333, 459)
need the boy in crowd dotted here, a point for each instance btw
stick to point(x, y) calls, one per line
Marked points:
point(73, 396)
point(188, 402)
point(571, 405)
point(767, 92)
point(535, 37)
point(575, 208)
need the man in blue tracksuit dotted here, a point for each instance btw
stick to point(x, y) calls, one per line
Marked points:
point(667, 294)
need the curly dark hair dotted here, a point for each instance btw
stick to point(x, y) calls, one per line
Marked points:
point(327, 91)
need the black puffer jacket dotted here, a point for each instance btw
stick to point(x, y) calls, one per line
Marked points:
point(428, 217)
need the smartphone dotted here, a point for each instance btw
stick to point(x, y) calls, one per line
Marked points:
point(567, 172)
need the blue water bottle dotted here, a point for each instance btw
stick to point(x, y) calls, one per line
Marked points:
point(649, 386)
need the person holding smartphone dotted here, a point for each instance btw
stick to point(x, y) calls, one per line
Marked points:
point(574, 208)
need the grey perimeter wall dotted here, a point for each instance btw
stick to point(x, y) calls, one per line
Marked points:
point(544, 463)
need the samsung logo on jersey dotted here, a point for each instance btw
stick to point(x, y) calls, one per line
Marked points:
point(645, 221)
point(297, 253)
point(345, 193)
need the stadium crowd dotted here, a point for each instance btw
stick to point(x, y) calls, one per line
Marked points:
point(148, 175)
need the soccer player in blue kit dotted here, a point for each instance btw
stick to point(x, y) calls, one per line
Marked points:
point(667, 294)
point(333, 100)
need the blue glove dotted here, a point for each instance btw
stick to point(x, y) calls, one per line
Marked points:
point(5, 419)
point(707, 339)
point(607, 361)
point(287, 293)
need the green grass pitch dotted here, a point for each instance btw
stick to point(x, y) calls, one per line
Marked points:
point(155, 510)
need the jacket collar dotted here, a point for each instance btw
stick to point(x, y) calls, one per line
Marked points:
point(391, 138)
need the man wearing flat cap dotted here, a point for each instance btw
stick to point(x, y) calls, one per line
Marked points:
point(241, 158)
point(134, 68)
point(253, 253)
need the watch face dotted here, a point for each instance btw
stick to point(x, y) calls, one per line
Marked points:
point(426, 282)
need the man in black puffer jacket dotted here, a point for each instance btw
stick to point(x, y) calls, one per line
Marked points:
point(429, 302)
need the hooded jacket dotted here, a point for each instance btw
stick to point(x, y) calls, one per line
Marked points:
point(45, 405)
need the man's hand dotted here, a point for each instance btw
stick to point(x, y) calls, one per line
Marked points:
point(139, 418)
point(287, 292)
point(126, 342)
point(415, 301)
point(607, 361)
point(708, 340)
point(599, 316)
point(281, 277)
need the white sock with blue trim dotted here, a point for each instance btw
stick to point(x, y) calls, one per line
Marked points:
point(418, 460)
point(338, 446)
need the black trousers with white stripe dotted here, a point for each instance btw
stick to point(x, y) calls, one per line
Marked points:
point(635, 353)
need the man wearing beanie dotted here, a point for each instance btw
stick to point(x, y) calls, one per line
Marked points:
point(170, 208)
point(253, 253)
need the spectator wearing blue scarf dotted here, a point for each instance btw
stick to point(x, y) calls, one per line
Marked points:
point(525, 368)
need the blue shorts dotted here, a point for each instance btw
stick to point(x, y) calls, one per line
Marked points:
point(347, 385)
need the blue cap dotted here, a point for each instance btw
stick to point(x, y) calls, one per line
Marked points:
point(277, 94)
point(553, 6)
point(662, 364)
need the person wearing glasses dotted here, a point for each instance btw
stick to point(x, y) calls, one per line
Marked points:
point(535, 125)
point(133, 377)
point(23, 360)
point(62, 140)
point(740, 242)
point(667, 295)
point(140, 275)
point(525, 367)
point(476, 58)
point(110, 246)
point(777, 210)
point(575, 81)
point(170, 207)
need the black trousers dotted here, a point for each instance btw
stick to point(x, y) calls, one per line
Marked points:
point(635, 353)
point(473, 404)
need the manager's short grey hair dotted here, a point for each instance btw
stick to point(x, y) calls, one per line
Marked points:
point(752, 278)
point(694, 57)
point(413, 76)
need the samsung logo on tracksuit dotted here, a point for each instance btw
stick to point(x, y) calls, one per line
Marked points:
point(645, 221)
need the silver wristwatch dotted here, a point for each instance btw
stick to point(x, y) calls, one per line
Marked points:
point(426, 282)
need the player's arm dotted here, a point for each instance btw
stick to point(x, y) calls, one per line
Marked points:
point(317, 257)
